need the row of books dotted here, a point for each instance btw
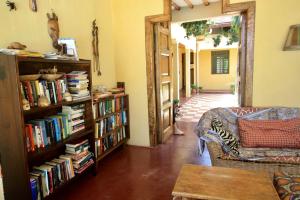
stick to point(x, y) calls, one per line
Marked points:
point(78, 84)
point(82, 158)
point(53, 90)
point(43, 132)
point(45, 178)
point(103, 108)
point(111, 140)
point(108, 124)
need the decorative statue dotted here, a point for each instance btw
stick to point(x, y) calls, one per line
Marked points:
point(95, 44)
point(53, 30)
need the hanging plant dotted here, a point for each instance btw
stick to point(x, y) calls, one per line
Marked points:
point(202, 28)
point(196, 28)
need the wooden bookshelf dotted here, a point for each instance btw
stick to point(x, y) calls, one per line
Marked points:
point(16, 161)
point(100, 152)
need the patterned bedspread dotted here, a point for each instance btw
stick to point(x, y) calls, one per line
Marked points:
point(229, 118)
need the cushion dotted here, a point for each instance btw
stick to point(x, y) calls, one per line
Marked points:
point(270, 133)
point(287, 186)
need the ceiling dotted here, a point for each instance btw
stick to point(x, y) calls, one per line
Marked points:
point(182, 3)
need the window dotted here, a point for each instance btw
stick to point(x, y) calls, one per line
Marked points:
point(220, 62)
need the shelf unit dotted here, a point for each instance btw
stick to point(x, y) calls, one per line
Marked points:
point(15, 160)
point(126, 126)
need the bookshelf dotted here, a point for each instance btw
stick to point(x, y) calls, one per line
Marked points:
point(16, 159)
point(112, 124)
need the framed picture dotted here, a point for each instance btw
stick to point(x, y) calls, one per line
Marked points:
point(70, 47)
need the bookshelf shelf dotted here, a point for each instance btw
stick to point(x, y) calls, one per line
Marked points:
point(55, 106)
point(16, 160)
point(109, 115)
point(107, 152)
point(40, 153)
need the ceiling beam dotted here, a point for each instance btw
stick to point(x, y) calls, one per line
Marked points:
point(175, 6)
point(189, 3)
point(206, 2)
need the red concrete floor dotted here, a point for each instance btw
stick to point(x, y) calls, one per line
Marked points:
point(137, 173)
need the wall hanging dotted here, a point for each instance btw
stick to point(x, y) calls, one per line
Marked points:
point(11, 5)
point(33, 5)
point(293, 39)
point(53, 30)
point(95, 44)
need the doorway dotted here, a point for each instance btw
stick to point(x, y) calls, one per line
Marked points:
point(247, 10)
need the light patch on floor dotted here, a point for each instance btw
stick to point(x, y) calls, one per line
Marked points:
point(192, 110)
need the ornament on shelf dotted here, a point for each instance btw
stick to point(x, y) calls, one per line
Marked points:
point(43, 102)
point(17, 45)
point(26, 105)
point(67, 97)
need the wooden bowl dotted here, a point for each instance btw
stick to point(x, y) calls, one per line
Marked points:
point(31, 77)
point(52, 77)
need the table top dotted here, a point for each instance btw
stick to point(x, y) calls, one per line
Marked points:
point(201, 182)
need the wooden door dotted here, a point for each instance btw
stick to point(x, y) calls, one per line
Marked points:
point(242, 61)
point(164, 85)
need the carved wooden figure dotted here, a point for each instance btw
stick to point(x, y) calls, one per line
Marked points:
point(53, 30)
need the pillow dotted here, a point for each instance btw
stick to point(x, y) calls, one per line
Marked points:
point(229, 142)
point(270, 133)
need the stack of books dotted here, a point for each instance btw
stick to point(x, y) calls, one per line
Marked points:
point(78, 84)
point(46, 178)
point(53, 90)
point(81, 157)
point(76, 116)
point(43, 132)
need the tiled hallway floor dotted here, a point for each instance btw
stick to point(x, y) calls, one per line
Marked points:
point(192, 109)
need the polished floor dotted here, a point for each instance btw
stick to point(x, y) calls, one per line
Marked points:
point(137, 173)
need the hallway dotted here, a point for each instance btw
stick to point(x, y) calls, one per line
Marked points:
point(192, 109)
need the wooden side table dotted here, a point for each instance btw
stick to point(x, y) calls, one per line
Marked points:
point(200, 182)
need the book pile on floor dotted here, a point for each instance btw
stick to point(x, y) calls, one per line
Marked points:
point(76, 116)
point(53, 90)
point(46, 178)
point(81, 157)
point(78, 84)
point(43, 132)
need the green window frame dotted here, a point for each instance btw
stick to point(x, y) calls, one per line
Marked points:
point(220, 62)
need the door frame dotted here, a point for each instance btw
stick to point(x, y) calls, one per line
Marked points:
point(247, 8)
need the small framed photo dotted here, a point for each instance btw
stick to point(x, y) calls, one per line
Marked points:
point(70, 47)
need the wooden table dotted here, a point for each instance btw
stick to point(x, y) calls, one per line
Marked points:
point(199, 182)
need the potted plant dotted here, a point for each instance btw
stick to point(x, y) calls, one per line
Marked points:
point(232, 88)
point(194, 88)
point(200, 89)
point(175, 108)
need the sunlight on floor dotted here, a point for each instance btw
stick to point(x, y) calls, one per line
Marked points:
point(192, 110)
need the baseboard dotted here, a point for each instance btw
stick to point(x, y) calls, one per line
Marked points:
point(216, 91)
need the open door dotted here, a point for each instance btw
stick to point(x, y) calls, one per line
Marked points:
point(242, 61)
point(163, 81)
